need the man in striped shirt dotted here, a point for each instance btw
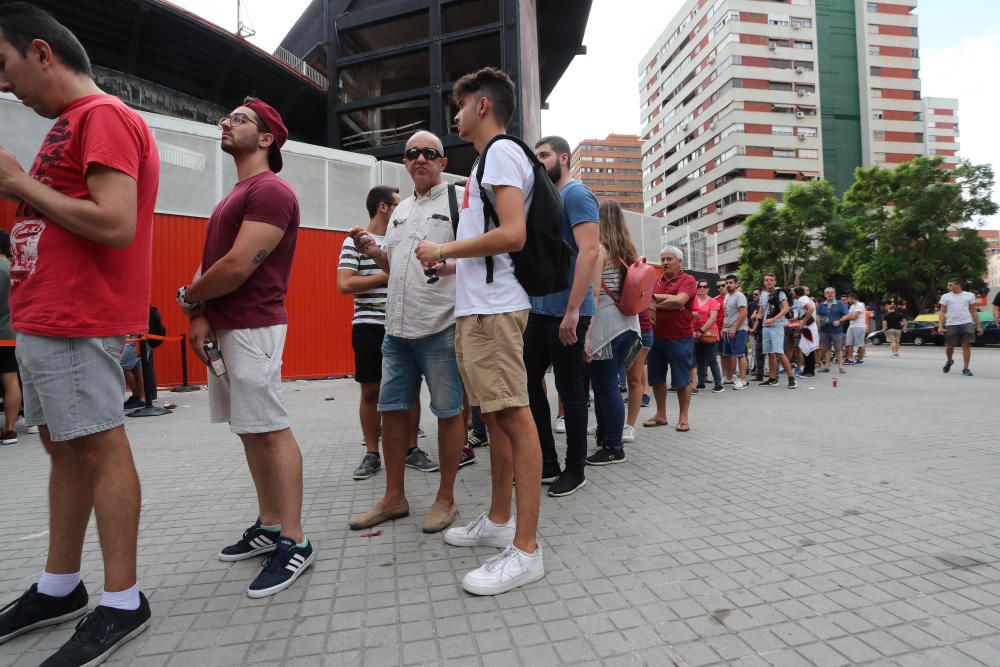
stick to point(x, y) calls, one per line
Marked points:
point(359, 275)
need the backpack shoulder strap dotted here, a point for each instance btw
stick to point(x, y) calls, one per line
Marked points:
point(489, 213)
point(453, 206)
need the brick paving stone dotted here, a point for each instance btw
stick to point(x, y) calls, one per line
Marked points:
point(734, 549)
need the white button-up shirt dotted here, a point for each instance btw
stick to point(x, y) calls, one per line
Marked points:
point(415, 309)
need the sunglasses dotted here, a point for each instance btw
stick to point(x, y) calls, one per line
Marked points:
point(702, 286)
point(429, 153)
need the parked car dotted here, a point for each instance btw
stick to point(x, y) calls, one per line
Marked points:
point(917, 333)
point(990, 336)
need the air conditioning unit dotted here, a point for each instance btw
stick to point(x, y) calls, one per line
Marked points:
point(802, 137)
point(718, 210)
point(800, 114)
point(795, 26)
point(684, 126)
point(800, 93)
point(711, 59)
point(711, 126)
point(772, 46)
point(799, 70)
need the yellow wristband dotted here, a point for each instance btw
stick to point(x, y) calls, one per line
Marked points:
point(439, 257)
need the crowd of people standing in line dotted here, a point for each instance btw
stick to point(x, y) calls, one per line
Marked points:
point(438, 300)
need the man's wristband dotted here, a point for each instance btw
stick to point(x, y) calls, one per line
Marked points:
point(439, 255)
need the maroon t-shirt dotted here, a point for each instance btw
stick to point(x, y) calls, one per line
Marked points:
point(260, 301)
point(674, 324)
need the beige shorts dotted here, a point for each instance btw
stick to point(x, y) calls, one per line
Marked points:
point(248, 396)
point(490, 353)
point(892, 335)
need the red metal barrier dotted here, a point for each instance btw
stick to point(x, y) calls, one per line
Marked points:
point(319, 317)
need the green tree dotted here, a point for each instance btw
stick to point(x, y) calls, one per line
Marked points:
point(779, 239)
point(897, 225)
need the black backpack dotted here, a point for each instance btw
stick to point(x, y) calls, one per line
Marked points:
point(155, 327)
point(542, 266)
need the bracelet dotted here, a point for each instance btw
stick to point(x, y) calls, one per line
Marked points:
point(439, 256)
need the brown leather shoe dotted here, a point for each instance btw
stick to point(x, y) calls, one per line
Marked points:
point(378, 514)
point(438, 518)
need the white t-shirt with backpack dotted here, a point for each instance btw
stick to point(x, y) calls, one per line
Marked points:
point(506, 164)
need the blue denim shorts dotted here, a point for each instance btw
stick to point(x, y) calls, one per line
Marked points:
point(677, 354)
point(130, 357)
point(406, 361)
point(774, 340)
point(72, 385)
point(646, 337)
point(734, 346)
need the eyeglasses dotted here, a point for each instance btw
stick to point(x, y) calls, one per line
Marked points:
point(702, 286)
point(428, 153)
point(238, 118)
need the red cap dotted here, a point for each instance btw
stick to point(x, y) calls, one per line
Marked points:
point(271, 119)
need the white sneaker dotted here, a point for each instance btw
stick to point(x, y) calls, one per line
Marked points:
point(505, 572)
point(560, 424)
point(32, 429)
point(628, 433)
point(740, 384)
point(482, 533)
point(592, 430)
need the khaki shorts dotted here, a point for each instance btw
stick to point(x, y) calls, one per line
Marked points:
point(248, 396)
point(490, 353)
point(892, 335)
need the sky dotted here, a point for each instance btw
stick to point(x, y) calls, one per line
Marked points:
point(598, 94)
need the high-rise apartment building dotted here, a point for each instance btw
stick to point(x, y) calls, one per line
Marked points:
point(611, 168)
point(741, 97)
point(941, 133)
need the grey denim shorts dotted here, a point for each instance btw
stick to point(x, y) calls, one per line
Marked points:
point(72, 385)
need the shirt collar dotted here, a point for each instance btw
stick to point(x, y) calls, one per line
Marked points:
point(433, 193)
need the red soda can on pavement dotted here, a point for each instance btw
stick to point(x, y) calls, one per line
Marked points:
point(834, 383)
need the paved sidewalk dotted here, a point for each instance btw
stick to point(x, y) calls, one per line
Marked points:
point(856, 525)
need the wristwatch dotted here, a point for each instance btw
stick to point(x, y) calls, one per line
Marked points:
point(182, 298)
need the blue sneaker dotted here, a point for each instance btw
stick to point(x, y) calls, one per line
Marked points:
point(282, 568)
point(255, 541)
point(645, 400)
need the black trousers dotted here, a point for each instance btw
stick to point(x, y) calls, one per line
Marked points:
point(542, 349)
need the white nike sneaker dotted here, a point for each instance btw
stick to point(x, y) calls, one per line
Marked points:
point(628, 433)
point(507, 571)
point(481, 533)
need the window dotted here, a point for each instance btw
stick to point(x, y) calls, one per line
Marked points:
point(875, 71)
point(732, 129)
point(873, 7)
point(777, 63)
point(800, 44)
point(805, 65)
point(780, 152)
point(778, 19)
point(878, 158)
point(780, 85)
point(808, 153)
point(918, 137)
point(800, 22)
point(806, 88)
point(873, 50)
point(877, 114)
point(876, 92)
point(878, 135)
point(782, 130)
point(872, 29)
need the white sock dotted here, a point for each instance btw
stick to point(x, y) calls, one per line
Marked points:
point(127, 600)
point(58, 585)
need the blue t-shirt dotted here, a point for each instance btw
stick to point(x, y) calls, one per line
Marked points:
point(838, 311)
point(579, 205)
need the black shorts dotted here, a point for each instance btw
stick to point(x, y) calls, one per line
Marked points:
point(8, 362)
point(366, 339)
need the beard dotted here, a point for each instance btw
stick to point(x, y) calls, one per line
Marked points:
point(236, 147)
point(555, 173)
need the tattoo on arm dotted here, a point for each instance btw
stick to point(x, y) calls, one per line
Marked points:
point(260, 257)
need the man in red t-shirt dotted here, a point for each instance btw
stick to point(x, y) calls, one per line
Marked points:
point(673, 344)
point(80, 281)
point(237, 307)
